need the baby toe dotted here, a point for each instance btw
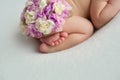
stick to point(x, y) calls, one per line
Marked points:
point(43, 48)
point(56, 43)
point(52, 44)
point(64, 34)
point(62, 39)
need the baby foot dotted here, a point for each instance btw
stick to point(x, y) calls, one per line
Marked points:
point(62, 37)
point(48, 40)
point(45, 48)
point(55, 39)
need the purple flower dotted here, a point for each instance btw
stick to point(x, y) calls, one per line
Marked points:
point(36, 2)
point(65, 14)
point(48, 9)
point(36, 33)
point(57, 20)
point(47, 13)
point(32, 31)
point(33, 8)
point(41, 15)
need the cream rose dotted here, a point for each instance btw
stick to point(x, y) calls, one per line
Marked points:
point(29, 17)
point(29, 3)
point(22, 27)
point(43, 3)
point(59, 7)
point(44, 26)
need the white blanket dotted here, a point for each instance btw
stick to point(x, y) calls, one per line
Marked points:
point(98, 58)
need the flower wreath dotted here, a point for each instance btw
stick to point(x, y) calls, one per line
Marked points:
point(42, 17)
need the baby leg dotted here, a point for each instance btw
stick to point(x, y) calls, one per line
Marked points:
point(79, 29)
point(102, 11)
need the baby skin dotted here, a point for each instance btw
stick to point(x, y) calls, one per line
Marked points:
point(87, 16)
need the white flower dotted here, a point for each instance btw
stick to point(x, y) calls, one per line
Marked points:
point(29, 3)
point(59, 7)
point(44, 26)
point(42, 3)
point(29, 17)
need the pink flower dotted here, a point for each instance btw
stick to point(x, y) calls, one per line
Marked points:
point(67, 6)
point(54, 12)
point(57, 20)
point(32, 31)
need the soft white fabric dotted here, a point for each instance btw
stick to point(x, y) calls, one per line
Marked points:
point(98, 58)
